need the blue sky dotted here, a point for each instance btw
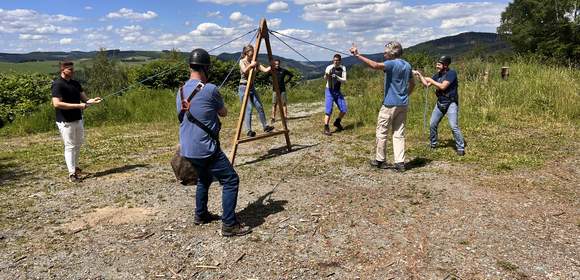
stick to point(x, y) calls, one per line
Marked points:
point(57, 25)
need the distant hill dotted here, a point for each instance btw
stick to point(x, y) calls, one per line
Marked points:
point(456, 46)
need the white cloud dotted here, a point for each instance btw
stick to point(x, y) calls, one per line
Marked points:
point(65, 41)
point(241, 20)
point(30, 37)
point(31, 22)
point(216, 14)
point(278, 6)
point(229, 2)
point(274, 23)
point(88, 8)
point(125, 13)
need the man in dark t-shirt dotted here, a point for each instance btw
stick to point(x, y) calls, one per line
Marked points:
point(69, 99)
point(283, 76)
point(445, 83)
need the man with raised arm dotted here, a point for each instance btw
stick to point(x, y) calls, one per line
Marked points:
point(398, 86)
point(69, 100)
point(335, 76)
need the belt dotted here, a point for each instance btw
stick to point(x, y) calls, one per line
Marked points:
point(243, 84)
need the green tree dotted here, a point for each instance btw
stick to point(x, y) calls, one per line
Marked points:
point(104, 75)
point(550, 28)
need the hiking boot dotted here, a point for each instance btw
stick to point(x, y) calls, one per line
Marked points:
point(400, 167)
point(379, 164)
point(460, 153)
point(337, 124)
point(205, 218)
point(74, 178)
point(235, 230)
point(327, 130)
point(251, 133)
point(268, 128)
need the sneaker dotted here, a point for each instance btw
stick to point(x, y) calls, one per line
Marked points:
point(337, 124)
point(251, 133)
point(206, 218)
point(400, 167)
point(379, 164)
point(268, 128)
point(73, 178)
point(235, 230)
point(460, 153)
point(327, 130)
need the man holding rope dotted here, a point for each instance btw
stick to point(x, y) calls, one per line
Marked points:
point(69, 100)
point(335, 75)
point(445, 83)
point(399, 85)
point(199, 106)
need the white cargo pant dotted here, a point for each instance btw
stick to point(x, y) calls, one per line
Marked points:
point(393, 117)
point(73, 135)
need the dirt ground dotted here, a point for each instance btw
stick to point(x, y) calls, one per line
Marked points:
point(318, 212)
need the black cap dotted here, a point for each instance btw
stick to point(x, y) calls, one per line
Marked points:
point(445, 60)
point(199, 57)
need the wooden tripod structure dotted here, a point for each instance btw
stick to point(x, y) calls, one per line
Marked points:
point(262, 34)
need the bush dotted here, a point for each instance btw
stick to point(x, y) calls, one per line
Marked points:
point(20, 94)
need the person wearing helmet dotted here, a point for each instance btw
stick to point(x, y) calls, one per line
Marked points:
point(399, 85)
point(446, 86)
point(246, 64)
point(199, 106)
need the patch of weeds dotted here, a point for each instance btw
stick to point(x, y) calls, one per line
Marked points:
point(507, 265)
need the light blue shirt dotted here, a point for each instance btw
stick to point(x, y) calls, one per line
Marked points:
point(397, 75)
point(194, 141)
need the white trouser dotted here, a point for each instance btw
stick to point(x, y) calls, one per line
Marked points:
point(73, 135)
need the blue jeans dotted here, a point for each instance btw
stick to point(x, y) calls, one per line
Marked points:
point(254, 100)
point(217, 166)
point(452, 116)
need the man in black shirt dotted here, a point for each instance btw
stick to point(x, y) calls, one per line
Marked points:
point(69, 99)
point(284, 76)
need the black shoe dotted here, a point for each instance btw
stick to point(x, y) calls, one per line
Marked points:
point(206, 218)
point(400, 167)
point(74, 178)
point(460, 153)
point(251, 133)
point(379, 164)
point(338, 125)
point(327, 131)
point(235, 230)
point(268, 128)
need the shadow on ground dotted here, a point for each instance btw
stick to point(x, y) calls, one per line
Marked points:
point(9, 170)
point(276, 152)
point(120, 169)
point(417, 162)
point(256, 212)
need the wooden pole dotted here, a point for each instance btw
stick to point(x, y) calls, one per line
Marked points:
point(263, 34)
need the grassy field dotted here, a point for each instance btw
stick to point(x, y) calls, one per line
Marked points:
point(521, 122)
point(45, 67)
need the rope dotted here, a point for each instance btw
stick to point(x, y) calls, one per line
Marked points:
point(293, 49)
point(173, 68)
point(306, 42)
point(234, 66)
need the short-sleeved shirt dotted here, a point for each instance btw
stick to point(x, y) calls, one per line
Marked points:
point(397, 75)
point(333, 83)
point(243, 77)
point(450, 94)
point(281, 74)
point(194, 141)
point(68, 92)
